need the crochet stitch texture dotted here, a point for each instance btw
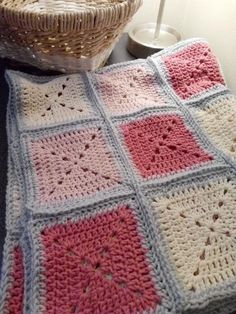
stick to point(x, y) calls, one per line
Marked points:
point(121, 193)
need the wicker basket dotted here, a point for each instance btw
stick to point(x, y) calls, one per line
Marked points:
point(63, 35)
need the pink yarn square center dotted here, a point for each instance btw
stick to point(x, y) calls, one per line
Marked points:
point(97, 265)
point(193, 70)
point(161, 145)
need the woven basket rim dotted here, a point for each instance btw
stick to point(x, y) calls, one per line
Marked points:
point(65, 22)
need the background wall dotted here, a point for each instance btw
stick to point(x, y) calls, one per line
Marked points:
point(214, 20)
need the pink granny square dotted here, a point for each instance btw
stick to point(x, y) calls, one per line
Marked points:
point(73, 164)
point(129, 89)
point(97, 265)
point(193, 70)
point(160, 145)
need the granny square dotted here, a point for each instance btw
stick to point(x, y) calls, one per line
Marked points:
point(161, 144)
point(96, 265)
point(129, 89)
point(193, 71)
point(222, 110)
point(45, 102)
point(73, 164)
point(199, 227)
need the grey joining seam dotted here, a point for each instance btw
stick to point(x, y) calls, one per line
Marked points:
point(170, 282)
point(189, 117)
point(12, 235)
point(13, 135)
point(158, 68)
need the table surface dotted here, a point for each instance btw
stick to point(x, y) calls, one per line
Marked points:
point(119, 54)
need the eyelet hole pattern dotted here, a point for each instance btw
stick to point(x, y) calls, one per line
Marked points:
point(215, 217)
point(109, 276)
point(198, 223)
point(114, 235)
point(97, 266)
point(221, 203)
point(74, 309)
point(122, 284)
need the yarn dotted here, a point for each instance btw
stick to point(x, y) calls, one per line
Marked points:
point(218, 119)
point(193, 70)
point(15, 289)
point(16, 300)
point(201, 218)
point(122, 204)
point(124, 92)
point(70, 164)
point(48, 101)
point(100, 258)
point(161, 144)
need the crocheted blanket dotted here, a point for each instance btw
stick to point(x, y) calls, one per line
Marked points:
point(121, 192)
